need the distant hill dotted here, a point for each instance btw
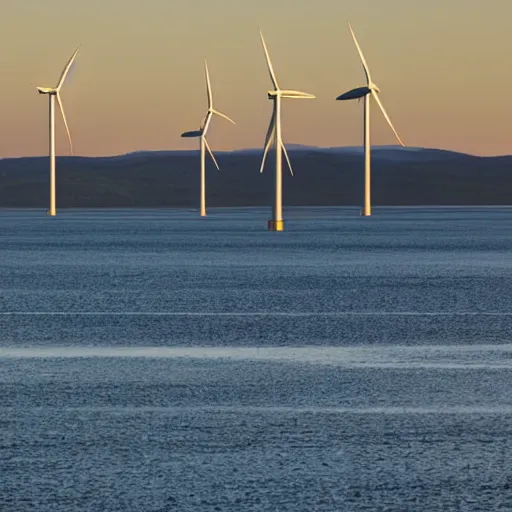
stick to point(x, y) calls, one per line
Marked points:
point(323, 176)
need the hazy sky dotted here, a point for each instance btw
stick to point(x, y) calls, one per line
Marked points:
point(444, 68)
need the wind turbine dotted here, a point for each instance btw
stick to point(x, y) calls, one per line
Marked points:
point(203, 130)
point(370, 89)
point(54, 92)
point(274, 137)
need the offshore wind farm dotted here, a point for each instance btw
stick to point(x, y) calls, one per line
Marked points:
point(194, 328)
point(201, 134)
point(274, 136)
point(370, 90)
point(53, 94)
point(273, 140)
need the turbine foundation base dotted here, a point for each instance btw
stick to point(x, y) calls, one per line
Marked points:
point(275, 225)
point(365, 213)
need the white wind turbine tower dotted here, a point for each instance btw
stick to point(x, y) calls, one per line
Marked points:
point(54, 92)
point(274, 137)
point(203, 130)
point(367, 91)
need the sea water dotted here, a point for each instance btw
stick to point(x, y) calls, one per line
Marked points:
point(151, 360)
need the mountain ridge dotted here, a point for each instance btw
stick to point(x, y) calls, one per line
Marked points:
point(323, 176)
point(376, 150)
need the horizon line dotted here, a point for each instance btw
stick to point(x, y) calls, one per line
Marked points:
point(290, 146)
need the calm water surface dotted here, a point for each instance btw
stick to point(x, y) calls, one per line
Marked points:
point(152, 360)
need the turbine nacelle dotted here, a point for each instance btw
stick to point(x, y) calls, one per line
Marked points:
point(374, 88)
point(46, 90)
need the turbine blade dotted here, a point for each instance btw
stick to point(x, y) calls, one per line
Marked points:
point(208, 85)
point(211, 154)
point(287, 158)
point(297, 94)
point(363, 60)
point(377, 99)
point(205, 123)
point(67, 68)
point(59, 101)
point(194, 133)
point(357, 93)
point(223, 115)
point(269, 138)
point(269, 63)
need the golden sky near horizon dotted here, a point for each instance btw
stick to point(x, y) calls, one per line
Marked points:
point(443, 67)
